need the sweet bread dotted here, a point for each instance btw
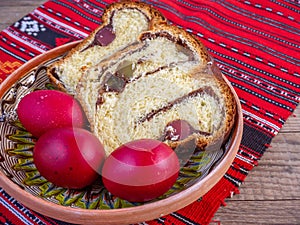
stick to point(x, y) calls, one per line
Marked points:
point(122, 24)
point(137, 76)
point(164, 79)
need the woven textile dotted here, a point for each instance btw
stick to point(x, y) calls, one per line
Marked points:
point(255, 43)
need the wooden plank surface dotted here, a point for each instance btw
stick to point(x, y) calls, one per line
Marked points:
point(270, 193)
point(13, 10)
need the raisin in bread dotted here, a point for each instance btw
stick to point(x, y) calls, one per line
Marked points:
point(122, 24)
point(162, 87)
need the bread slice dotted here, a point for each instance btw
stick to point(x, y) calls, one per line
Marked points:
point(122, 24)
point(143, 90)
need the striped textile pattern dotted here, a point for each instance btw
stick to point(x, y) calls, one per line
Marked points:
point(255, 44)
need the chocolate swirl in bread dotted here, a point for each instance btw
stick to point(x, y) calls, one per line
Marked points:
point(166, 76)
point(138, 77)
point(122, 24)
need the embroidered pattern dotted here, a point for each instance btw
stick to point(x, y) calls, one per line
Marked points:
point(8, 67)
point(30, 26)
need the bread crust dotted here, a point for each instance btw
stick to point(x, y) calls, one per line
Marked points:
point(216, 141)
point(179, 36)
point(154, 16)
point(159, 27)
point(182, 37)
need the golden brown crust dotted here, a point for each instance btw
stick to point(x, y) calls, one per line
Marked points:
point(160, 28)
point(154, 16)
point(183, 37)
point(203, 142)
point(180, 36)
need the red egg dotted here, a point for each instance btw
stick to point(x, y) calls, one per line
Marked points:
point(43, 110)
point(69, 157)
point(140, 170)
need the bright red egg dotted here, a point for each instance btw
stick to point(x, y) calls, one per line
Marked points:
point(140, 170)
point(43, 110)
point(69, 157)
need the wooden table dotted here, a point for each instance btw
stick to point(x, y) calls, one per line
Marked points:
point(270, 193)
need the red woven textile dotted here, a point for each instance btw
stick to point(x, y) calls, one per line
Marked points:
point(255, 44)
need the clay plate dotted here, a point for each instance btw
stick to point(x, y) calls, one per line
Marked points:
point(32, 75)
